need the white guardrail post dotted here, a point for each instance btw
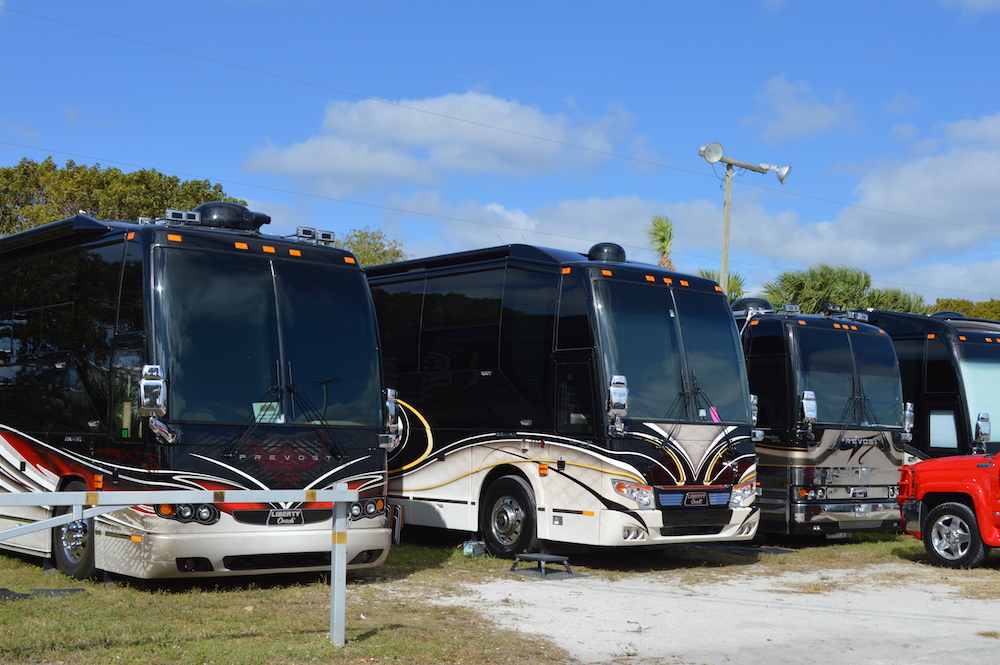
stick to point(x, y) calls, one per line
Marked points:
point(106, 502)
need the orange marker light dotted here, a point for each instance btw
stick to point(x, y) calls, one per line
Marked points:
point(349, 259)
point(606, 273)
point(566, 271)
point(268, 249)
point(295, 252)
point(173, 237)
point(242, 245)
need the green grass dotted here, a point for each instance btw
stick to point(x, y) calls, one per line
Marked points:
point(284, 620)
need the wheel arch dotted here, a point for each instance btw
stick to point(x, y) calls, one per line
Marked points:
point(932, 500)
point(495, 474)
point(65, 481)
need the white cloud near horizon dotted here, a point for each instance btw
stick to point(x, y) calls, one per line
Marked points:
point(371, 144)
point(921, 223)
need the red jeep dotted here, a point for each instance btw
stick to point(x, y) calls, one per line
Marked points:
point(952, 504)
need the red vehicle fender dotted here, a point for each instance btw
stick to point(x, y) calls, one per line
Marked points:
point(917, 483)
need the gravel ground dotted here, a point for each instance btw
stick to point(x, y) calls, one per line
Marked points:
point(879, 615)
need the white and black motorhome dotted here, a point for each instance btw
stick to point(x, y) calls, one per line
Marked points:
point(833, 419)
point(950, 368)
point(189, 352)
point(555, 398)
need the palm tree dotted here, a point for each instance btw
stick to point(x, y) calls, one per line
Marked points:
point(735, 289)
point(661, 237)
point(811, 288)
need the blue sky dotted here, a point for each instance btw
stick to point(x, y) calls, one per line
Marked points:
point(455, 125)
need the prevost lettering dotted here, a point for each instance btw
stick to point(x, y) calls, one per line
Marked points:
point(285, 457)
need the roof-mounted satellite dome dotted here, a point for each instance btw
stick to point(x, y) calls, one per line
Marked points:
point(949, 314)
point(219, 214)
point(223, 214)
point(746, 304)
point(607, 252)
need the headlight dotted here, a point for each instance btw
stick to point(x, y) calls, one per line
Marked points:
point(641, 494)
point(743, 495)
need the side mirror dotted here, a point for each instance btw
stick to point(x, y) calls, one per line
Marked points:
point(618, 396)
point(810, 412)
point(809, 408)
point(756, 435)
point(983, 427)
point(908, 420)
point(617, 404)
point(152, 391)
point(390, 439)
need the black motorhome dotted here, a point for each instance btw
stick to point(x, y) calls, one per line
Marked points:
point(189, 352)
point(950, 368)
point(553, 397)
point(833, 420)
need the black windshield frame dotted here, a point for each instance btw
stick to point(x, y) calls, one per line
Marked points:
point(245, 338)
point(679, 351)
point(853, 374)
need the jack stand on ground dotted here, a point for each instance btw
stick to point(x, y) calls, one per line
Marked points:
point(540, 570)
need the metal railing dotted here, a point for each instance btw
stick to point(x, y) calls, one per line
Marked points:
point(105, 502)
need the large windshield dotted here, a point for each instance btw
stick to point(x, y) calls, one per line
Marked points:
point(679, 352)
point(246, 338)
point(980, 367)
point(854, 377)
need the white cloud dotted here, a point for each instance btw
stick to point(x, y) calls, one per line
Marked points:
point(789, 111)
point(371, 144)
point(927, 224)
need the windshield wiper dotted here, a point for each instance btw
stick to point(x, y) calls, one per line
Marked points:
point(313, 415)
point(254, 420)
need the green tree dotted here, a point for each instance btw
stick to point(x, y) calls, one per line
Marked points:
point(34, 193)
point(661, 236)
point(986, 309)
point(371, 247)
point(850, 288)
point(736, 288)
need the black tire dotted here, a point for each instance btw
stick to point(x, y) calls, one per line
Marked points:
point(73, 543)
point(951, 537)
point(507, 520)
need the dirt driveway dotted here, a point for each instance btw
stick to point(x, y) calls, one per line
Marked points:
point(884, 614)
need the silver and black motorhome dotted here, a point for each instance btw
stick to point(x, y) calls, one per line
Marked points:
point(950, 368)
point(189, 352)
point(831, 411)
point(555, 398)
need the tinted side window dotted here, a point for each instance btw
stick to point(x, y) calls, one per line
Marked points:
point(574, 329)
point(940, 371)
point(461, 321)
point(62, 321)
point(397, 307)
point(769, 381)
point(910, 354)
point(528, 320)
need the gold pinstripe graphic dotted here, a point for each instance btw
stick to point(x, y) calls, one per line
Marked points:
point(662, 446)
point(430, 439)
point(615, 472)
